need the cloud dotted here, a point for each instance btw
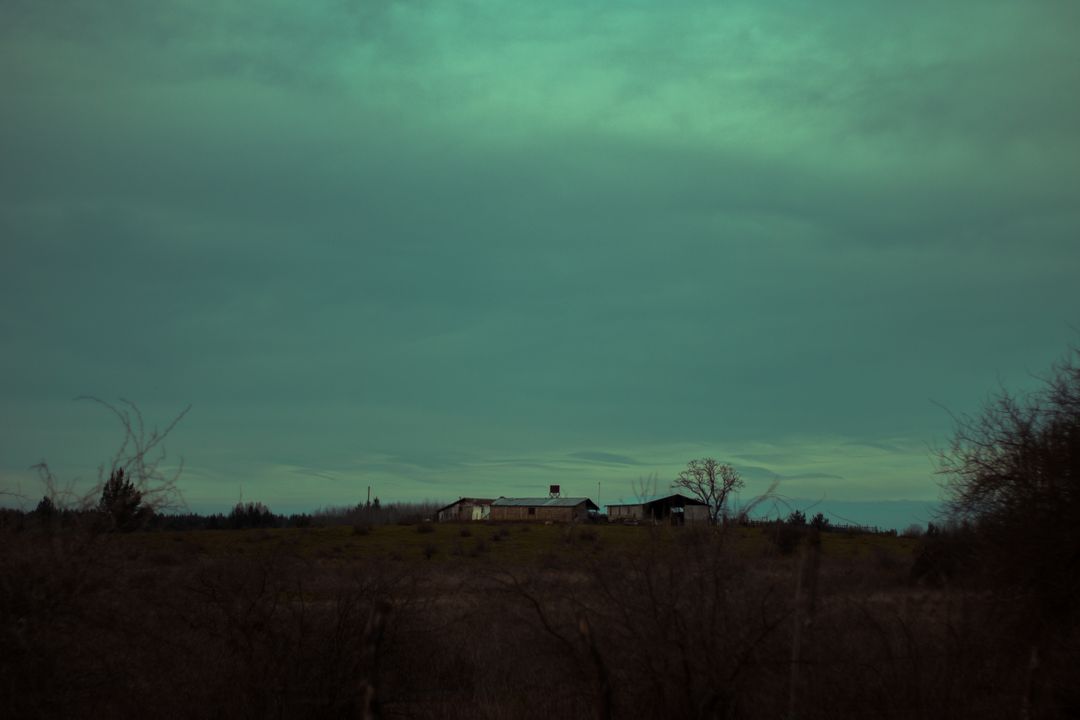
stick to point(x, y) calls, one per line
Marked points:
point(450, 247)
point(604, 457)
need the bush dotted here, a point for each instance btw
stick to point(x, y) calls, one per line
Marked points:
point(943, 555)
point(787, 536)
point(46, 508)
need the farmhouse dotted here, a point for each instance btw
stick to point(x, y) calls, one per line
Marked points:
point(553, 509)
point(465, 509)
point(673, 509)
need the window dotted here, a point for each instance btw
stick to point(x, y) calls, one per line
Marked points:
point(532, 511)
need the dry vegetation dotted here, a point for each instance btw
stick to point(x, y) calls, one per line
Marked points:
point(540, 621)
point(341, 616)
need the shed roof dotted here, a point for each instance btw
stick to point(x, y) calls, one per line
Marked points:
point(657, 498)
point(474, 501)
point(541, 502)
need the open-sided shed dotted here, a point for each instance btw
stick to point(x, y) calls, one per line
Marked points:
point(550, 509)
point(464, 510)
point(675, 509)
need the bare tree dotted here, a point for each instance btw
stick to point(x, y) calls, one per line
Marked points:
point(711, 482)
point(133, 473)
point(1013, 475)
point(1013, 472)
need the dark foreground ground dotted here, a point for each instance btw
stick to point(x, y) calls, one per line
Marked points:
point(514, 621)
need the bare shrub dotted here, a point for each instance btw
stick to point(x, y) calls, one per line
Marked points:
point(132, 485)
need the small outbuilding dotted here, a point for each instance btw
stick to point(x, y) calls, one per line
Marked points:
point(464, 510)
point(549, 509)
point(675, 509)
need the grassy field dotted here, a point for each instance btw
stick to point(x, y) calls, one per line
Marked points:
point(469, 543)
point(503, 621)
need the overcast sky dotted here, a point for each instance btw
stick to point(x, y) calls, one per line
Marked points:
point(461, 248)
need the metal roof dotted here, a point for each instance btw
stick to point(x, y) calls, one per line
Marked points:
point(654, 498)
point(474, 501)
point(540, 502)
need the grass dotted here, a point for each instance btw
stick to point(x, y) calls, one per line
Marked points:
point(515, 544)
point(544, 621)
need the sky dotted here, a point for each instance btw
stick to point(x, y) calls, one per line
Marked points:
point(449, 248)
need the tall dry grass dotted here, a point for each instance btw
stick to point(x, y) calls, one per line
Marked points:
point(94, 625)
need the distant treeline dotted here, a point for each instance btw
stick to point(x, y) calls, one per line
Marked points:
point(821, 523)
point(259, 515)
point(242, 516)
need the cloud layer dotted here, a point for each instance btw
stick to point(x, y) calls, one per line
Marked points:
point(466, 247)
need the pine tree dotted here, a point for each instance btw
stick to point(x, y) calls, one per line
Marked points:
point(46, 508)
point(122, 503)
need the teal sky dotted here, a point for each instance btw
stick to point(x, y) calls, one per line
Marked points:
point(457, 248)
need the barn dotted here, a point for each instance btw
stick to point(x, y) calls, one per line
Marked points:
point(673, 509)
point(549, 509)
point(465, 509)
